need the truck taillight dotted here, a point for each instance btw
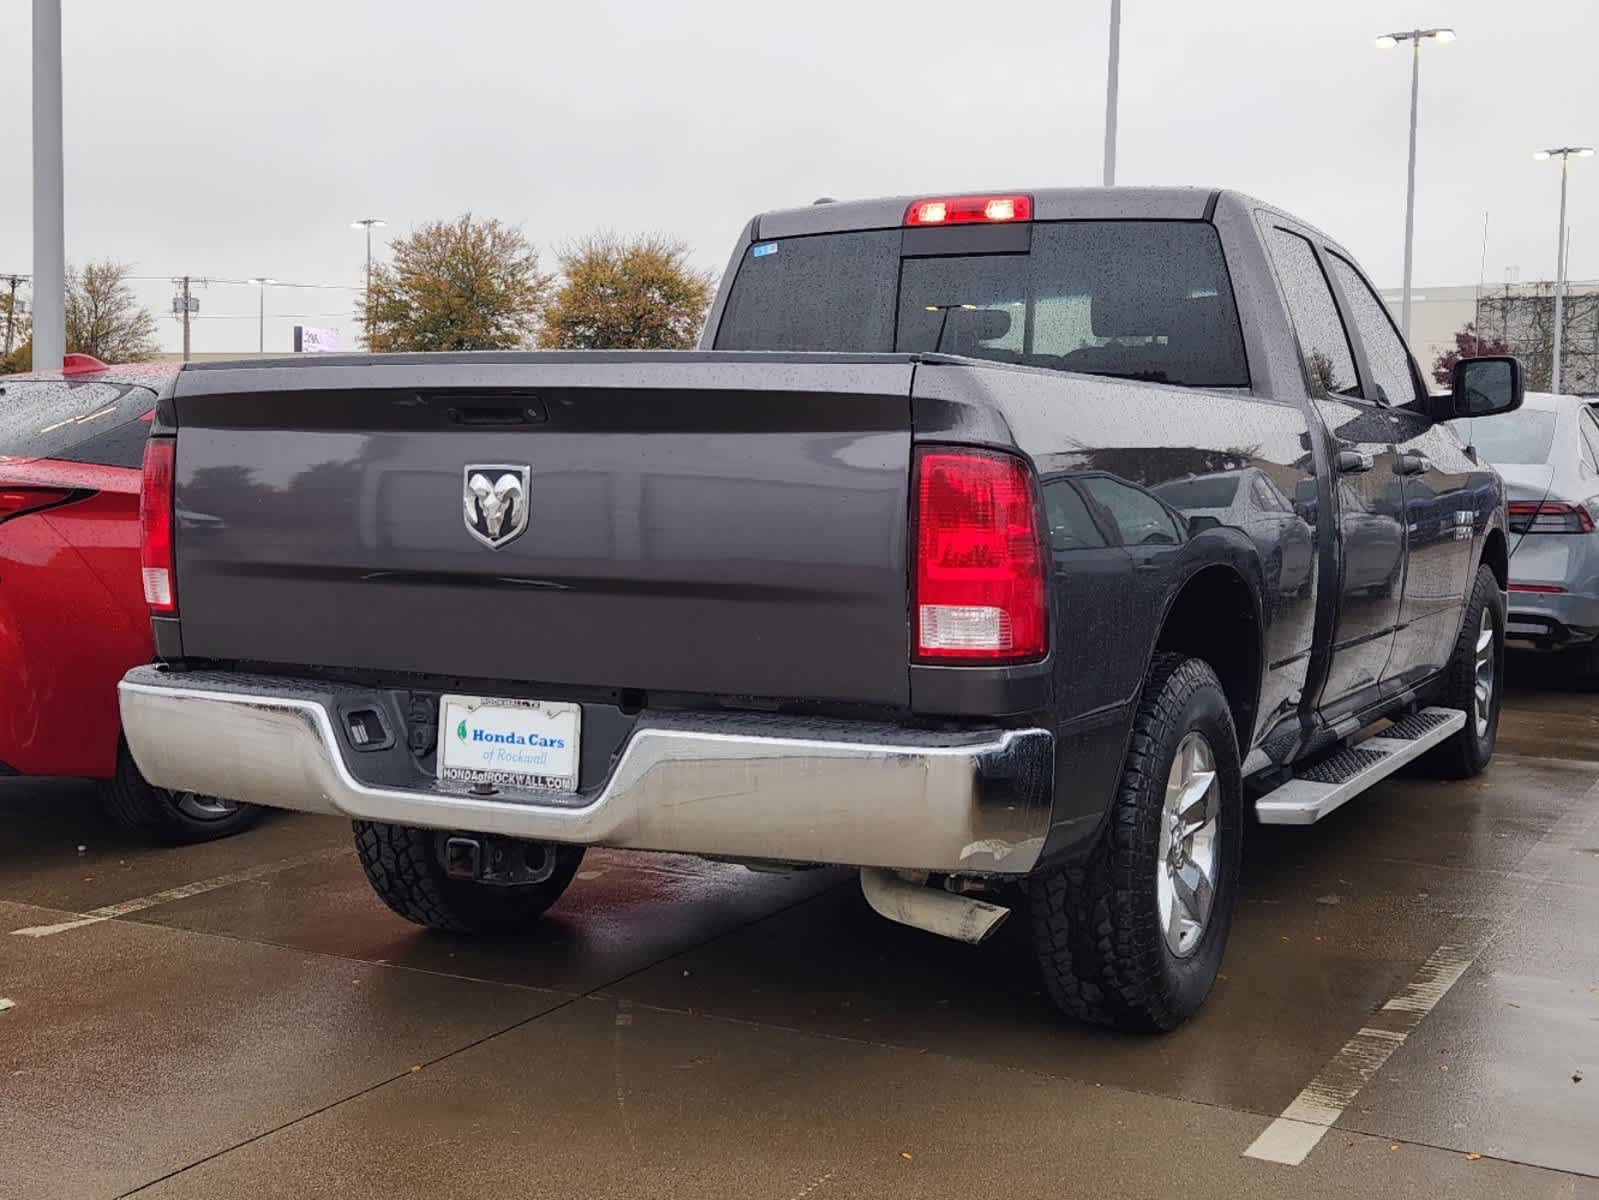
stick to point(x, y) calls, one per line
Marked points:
point(155, 527)
point(979, 572)
point(1529, 516)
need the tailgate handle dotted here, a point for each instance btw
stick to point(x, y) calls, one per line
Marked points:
point(524, 411)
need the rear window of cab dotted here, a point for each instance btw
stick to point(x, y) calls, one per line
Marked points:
point(1147, 300)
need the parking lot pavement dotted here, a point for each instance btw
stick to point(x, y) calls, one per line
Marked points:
point(1419, 974)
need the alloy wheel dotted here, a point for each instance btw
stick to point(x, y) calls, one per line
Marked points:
point(203, 808)
point(1483, 690)
point(1188, 857)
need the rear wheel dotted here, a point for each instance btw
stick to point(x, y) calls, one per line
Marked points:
point(405, 867)
point(1473, 683)
point(1133, 937)
point(180, 817)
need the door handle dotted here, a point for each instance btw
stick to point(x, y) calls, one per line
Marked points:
point(1412, 463)
point(1352, 462)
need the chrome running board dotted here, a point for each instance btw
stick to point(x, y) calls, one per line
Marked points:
point(1339, 778)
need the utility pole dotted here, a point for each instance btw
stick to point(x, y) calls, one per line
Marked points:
point(185, 318)
point(11, 312)
point(49, 227)
point(1112, 79)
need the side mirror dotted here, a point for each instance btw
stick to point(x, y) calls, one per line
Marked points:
point(1482, 387)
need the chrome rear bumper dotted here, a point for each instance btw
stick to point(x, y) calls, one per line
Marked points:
point(737, 786)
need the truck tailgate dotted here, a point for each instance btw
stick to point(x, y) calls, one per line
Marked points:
point(728, 524)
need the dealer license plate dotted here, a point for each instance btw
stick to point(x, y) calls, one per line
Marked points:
point(523, 743)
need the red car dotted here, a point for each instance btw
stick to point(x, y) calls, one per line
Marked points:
point(73, 617)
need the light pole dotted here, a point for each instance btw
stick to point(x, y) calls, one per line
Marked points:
point(1112, 74)
point(49, 236)
point(261, 282)
point(1387, 42)
point(1564, 154)
point(368, 223)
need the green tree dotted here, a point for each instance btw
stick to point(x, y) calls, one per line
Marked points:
point(627, 294)
point(456, 285)
point(105, 318)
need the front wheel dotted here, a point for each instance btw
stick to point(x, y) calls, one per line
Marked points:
point(183, 818)
point(1473, 683)
point(1133, 936)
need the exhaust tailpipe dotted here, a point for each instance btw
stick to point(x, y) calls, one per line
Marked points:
point(922, 907)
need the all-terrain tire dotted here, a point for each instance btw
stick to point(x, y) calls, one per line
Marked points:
point(182, 818)
point(404, 867)
point(1096, 924)
point(1467, 752)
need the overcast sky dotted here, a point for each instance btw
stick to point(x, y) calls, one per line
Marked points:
point(234, 138)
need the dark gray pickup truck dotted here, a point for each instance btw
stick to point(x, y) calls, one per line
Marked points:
point(1011, 548)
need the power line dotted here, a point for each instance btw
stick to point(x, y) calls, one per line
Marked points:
point(346, 287)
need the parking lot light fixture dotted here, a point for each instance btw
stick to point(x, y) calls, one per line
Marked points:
point(368, 224)
point(1565, 154)
point(261, 282)
point(1388, 41)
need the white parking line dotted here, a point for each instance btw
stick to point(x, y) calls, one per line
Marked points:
point(124, 908)
point(1294, 1135)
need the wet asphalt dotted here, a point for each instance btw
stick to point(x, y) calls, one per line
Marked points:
point(255, 1023)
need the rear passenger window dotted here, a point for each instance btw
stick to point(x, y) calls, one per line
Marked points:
point(1329, 361)
point(1141, 519)
point(830, 292)
point(1267, 497)
point(1071, 526)
point(74, 421)
point(1385, 349)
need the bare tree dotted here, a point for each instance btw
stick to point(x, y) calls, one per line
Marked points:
point(17, 331)
point(104, 318)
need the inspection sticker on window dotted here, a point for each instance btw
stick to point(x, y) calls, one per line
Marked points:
point(763, 250)
point(521, 743)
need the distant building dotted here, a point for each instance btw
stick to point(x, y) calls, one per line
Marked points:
point(1519, 314)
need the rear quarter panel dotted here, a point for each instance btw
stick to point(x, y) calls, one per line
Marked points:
point(72, 622)
point(1111, 592)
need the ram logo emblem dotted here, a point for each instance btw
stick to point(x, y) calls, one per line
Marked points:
point(496, 503)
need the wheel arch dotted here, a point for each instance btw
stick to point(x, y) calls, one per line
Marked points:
point(1496, 557)
point(1215, 616)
